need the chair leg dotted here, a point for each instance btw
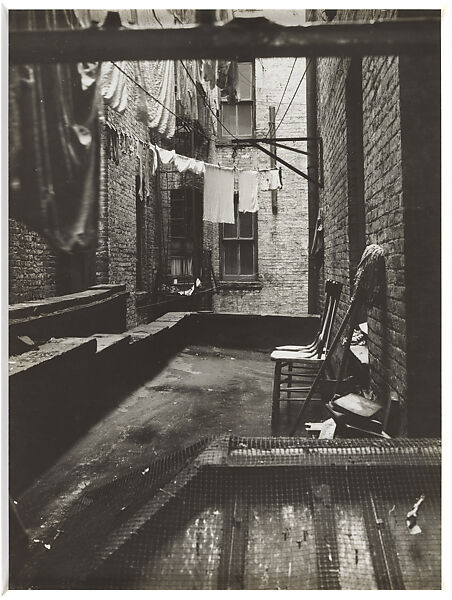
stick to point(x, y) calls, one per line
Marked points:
point(276, 398)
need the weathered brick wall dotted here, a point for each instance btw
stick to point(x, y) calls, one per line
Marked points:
point(394, 134)
point(32, 265)
point(117, 250)
point(282, 238)
point(383, 200)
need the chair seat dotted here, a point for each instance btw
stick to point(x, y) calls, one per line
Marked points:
point(294, 349)
point(298, 357)
point(357, 405)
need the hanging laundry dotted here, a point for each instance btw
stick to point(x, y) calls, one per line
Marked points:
point(199, 167)
point(218, 194)
point(113, 85)
point(248, 183)
point(166, 156)
point(209, 68)
point(183, 163)
point(88, 73)
point(54, 180)
point(153, 160)
point(228, 79)
point(270, 180)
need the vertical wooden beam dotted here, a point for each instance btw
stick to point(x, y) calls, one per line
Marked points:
point(272, 134)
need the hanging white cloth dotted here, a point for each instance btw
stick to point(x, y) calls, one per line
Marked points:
point(199, 167)
point(218, 194)
point(270, 180)
point(166, 156)
point(183, 163)
point(248, 182)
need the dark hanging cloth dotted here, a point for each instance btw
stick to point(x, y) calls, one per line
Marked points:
point(228, 79)
point(54, 142)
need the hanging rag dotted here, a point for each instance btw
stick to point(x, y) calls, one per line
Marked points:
point(248, 181)
point(153, 160)
point(218, 194)
point(270, 180)
point(183, 163)
point(166, 156)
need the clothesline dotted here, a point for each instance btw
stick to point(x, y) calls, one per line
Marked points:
point(168, 157)
point(218, 196)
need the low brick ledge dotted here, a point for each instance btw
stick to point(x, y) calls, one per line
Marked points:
point(45, 306)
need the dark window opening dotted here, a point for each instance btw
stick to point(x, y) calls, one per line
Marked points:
point(185, 233)
point(239, 246)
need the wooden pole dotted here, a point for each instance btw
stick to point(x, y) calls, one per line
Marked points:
point(242, 38)
point(272, 133)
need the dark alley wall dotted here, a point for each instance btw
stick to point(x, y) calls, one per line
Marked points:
point(376, 191)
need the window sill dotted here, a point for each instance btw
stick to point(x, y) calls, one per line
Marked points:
point(240, 285)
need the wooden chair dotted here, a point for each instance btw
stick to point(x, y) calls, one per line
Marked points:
point(354, 415)
point(357, 409)
point(296, 366)
point(316, 348)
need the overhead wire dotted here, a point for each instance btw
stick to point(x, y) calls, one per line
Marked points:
point(283, 94)
point(293, 97)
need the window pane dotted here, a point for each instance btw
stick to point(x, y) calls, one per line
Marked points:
point(246, 258)
point(246, 225)
point(230, 230)
point(229, 118)
point(245, 85)
point(245, 119)
point(231, 258)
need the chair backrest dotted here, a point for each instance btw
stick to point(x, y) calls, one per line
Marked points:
point(333, 290)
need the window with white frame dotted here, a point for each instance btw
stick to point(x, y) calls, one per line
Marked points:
point(238, 245)
point(238, 117)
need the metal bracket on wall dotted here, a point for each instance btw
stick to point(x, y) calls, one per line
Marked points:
point(255, 142)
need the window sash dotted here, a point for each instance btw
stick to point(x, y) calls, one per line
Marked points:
point(237, 262)
point(243, 111)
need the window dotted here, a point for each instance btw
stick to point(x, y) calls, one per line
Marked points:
point(185, 233)
point(239, 246)
point(238, 118)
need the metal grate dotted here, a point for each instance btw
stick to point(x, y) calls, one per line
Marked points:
point(262, 513)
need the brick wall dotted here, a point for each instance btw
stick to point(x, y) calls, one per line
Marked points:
point(283, 237)
point(32, 265)
point(393, 142)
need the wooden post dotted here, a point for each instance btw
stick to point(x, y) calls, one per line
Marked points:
point(272, 134)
